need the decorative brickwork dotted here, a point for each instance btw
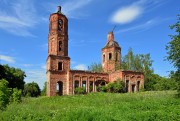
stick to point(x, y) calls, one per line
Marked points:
point(63, 81)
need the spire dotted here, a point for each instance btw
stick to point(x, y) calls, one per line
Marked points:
point(59, 9)
point(110, 36)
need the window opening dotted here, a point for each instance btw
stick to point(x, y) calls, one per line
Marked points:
point(59, 88)
point(104, 58)
point(76, 85)
point(127, 85)
point(60, 45)
point(110, 56)
point(60, 66)
point(84, 85)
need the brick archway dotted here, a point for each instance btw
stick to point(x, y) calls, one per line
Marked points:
point(59, 88)
point(99, 84)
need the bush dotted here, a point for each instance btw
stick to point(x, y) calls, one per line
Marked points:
point(116, 87)
point(16, 96)
point(8, 95)
point(102, 89)
point(4, 94)
point(80, 90)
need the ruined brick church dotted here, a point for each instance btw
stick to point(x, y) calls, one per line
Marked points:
point(63, 81)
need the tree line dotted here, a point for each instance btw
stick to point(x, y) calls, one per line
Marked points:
point(13, 87)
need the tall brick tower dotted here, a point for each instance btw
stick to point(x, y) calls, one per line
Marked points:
point(111, 54)
point(58, 62)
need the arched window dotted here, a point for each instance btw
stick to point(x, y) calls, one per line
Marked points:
point(60, 25)
point(60, 45)
point(84, 85)
point(116, 56)
point(60, 66)
point(104, 58)
point(110, 56)
point(59, 88)
point(76, 84)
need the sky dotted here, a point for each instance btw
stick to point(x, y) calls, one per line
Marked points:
point(142, 25)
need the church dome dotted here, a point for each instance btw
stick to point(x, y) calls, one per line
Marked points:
point(112, 44)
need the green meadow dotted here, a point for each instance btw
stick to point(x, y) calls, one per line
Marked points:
point(143, 106)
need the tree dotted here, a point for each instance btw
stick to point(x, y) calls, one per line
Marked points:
point(137, 62)
point(173, 51)
point(95, 67)
point(141, 63)
point(14, 76)
point(43, 92)
point(32, 89)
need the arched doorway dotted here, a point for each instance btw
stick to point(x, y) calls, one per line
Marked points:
point(99, 84)
point(59, 88)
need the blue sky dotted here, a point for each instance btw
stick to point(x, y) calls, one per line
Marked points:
point(142, 25)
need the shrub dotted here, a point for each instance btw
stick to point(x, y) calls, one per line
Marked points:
point(8, 95)
point(116, 87)
point(4, 94)
point(90, 88)
point(80, 90)
point(102, 89)
point(16, 96)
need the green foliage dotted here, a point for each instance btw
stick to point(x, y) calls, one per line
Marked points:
point(31, 90)
point(144, 106)
point(156, 82)
point(173, 51)
point(101, 88)
point(43, 92)
point(140, 63)
point(16, 96)
point(8, 95)
point(175, 76)
point(116, 87)
point(4, 94)
point(113, 87)
point(80, 90)
point(173, 47)
point(14, 76)
point(137, 62)
point(95, 67)
point(143, 63)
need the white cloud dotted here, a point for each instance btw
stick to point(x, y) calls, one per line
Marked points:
point(36, 75)
point(18, 17)
point(27, 65)
point(71, 8)
point(143, 26)
point(126, 14)
point(140, 27)
point(7, 59)
point(131, 12)
point(81, 67)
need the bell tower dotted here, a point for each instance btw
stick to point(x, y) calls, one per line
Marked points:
point(111, 54)
point(58, 34)
point(58, 62)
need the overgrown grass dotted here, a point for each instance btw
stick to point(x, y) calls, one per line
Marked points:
point(144, 106)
